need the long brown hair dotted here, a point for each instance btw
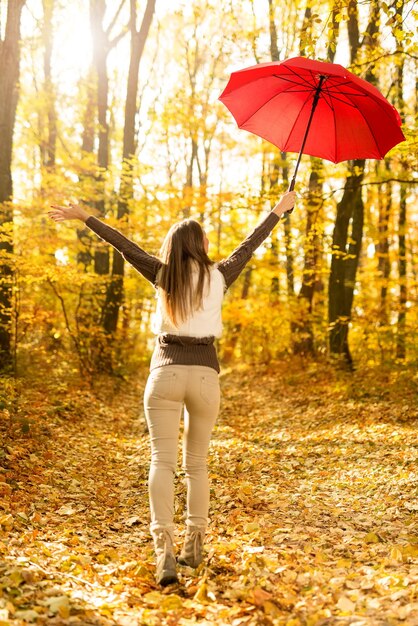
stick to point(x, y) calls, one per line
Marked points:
point(183, 251)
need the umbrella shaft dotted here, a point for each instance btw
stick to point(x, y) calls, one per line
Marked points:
point(314, 103)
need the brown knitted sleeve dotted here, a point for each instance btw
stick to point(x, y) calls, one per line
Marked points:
point(147, 264)
point(232, 267)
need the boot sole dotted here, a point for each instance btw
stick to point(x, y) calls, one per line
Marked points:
point(181, 561)
point(168, 580)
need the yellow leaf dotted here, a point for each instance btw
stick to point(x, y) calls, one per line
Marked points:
point(201, 594)
point(289, 576)
point(64, 611)
point(172, 602)
point(372, 538)
point(141, 571)
point(413, 539)
point(102, 558)
point(6, 521)
point(15, 577)
point(410, 550)
point(317, 618)
point(153, 597)
point(252, 527)
point(271, 609)
point(396, 554)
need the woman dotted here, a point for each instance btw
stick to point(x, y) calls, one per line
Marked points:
point(184, 366)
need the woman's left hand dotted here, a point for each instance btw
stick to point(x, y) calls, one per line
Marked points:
point(70, 212)
point(286, 203)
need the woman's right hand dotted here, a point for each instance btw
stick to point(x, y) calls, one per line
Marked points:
point(70, 212)
point(286, 203)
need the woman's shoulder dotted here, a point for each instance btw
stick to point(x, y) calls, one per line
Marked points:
point(217, 276)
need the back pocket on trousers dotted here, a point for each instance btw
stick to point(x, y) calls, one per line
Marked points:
point(209, 389)
point(162, 384)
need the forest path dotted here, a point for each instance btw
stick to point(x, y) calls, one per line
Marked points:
point(314, 509)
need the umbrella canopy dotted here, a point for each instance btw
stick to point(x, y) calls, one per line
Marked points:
point(321, 109)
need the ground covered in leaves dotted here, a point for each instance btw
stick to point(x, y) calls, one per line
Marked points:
point(314, 516)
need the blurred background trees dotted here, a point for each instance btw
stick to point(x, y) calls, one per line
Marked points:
point(115, 104)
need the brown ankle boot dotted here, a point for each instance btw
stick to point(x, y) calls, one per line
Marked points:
point(192, 551)
point(166, 561)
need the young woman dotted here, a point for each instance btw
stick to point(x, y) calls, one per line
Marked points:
point(184, 365)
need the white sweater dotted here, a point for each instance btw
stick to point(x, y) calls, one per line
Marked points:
point(205, 322)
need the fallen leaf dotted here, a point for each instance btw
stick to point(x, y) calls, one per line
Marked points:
point(59, 605)
point(66, 510)
point(345, 605)
point(372, 538)
point(260, 596)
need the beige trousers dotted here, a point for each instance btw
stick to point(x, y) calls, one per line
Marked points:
point(168, 390)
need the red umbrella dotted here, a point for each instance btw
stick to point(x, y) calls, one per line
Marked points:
point(279, 100)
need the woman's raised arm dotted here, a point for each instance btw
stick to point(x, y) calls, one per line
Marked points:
point(147, 264)
point(232, 267)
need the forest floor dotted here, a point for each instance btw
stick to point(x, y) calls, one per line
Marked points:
point(314, 508)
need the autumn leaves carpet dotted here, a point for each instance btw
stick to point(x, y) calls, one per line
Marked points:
point(314, 514)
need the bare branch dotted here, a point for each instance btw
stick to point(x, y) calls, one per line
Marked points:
point(114, 19)
point(112, 42)
point(384, 56)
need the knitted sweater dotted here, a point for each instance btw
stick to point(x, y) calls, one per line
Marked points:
point(176, 348)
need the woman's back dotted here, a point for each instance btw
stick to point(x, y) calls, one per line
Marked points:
point(202, 322)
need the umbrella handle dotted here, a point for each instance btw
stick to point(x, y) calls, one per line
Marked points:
point(291, 188)
point(314, 103)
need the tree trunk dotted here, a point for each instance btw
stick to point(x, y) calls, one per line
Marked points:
point(114, 293)
point(47, 36)
point(302, 331)
point(403, 290)
point(274, 246)
point(9, 91)
point(402, 222)
point(301, 327)
point(353, 29)
point(275, 56)
point(343, 269)
point(84, 255)
point(97, 112)
point(101, 50)
point(274, 50)
point(333, 32)
point(345, 256)
point(89, 116)
point(382, 248)
point(188, 186)
point(288, 238)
